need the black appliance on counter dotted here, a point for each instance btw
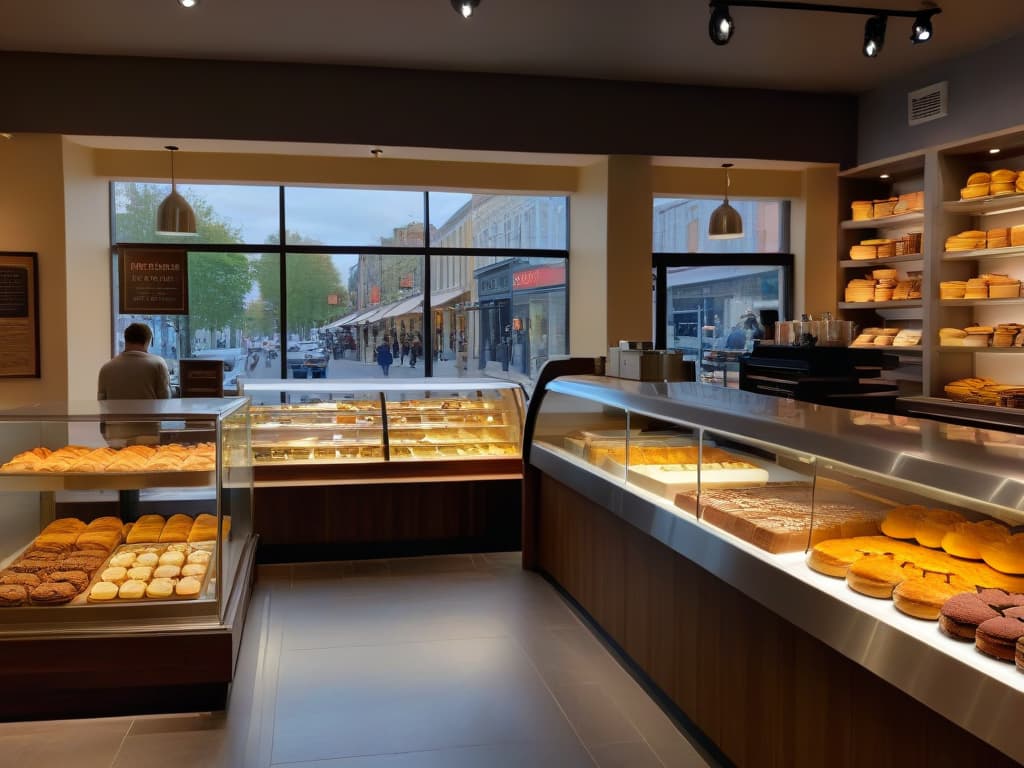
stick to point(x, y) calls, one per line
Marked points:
point(843, 377)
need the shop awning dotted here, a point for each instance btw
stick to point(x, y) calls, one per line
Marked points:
point(409, 306)
point(446, 297)
point(348, 319)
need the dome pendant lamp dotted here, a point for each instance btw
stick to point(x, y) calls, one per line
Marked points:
point(465, 8)
point(175, 216)
point(726, 222)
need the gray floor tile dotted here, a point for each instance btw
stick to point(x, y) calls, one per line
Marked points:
point(197, 742)
point(343, 702)
point(594, 715)
point(58, 744)
point(628, 755)
point(561, 755)
point(411, 566)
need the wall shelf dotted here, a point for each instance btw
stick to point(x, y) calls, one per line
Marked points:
point(979, 302)
point(946, 348)
point(984, 253)
point(880, 263)
point(986, 206)
point(885, 222)
point(915, 304)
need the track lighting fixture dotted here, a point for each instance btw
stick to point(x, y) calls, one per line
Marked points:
point(188, 3)
point(726, 222)
point(175, 216)
point(465, 8)
point(874, 36)
point(921, 32)
point(721, 26)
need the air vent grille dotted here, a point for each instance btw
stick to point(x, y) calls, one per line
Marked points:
point(927, 104)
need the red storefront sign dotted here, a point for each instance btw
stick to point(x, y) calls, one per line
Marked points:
point(332, 298)
point(375, 294)
point(538, 277)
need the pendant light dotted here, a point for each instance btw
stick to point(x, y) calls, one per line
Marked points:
point(726, 222)
point(175, 216)
point(465, 8)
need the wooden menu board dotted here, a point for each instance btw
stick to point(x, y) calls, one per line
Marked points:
point(202, 378)
point(153, 281)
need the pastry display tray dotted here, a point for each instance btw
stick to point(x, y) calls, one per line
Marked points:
point(158, 548)
point(91, 481)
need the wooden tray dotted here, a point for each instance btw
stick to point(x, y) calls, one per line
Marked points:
point(159, 549)
point(88, 481)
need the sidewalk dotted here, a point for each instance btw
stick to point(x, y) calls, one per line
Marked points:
point(354, 369)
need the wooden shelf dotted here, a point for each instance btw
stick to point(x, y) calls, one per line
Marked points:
point(984, 253)
point(986, 206)
point(945, 348)
point(979, 302)
point(915, 304)
point(889, 348)
point(879, 263)
point(914, 217)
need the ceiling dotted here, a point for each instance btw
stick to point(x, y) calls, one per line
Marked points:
point(644, 40)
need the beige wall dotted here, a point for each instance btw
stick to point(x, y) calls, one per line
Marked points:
point(87, 226)
point(32, 219)
point(630, 230)
point(815, 240)
point(588, 262)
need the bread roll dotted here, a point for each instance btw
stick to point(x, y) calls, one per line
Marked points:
point(979, 178)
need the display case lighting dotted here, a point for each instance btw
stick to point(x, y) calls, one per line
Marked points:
point(884, 176)
point(994, 151)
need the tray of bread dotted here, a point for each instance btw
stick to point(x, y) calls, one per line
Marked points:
point(666, 469)
point(135, 466)
point(150, 572)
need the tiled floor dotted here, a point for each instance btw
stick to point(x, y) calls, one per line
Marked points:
point(439, 662)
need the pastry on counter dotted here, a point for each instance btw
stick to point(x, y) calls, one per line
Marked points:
point(103, 534)
point(193, 569)
point(1005, 555)
point(53, 593)
point(188, 587)
point(204, 528)
point(62, 459)
point(966, 539)
point(29, 580)
point(199, 556)
point(115, 575)
point(147, 559)
point(123, 559)
point(78, 579)
point(12, 595)
point(27, 461)
point(998, 637)
point(132, 590)
point(961, 614)
point(177, 528)
point(146, 529)
point(924, 598)
point(172, 558)
point(103, 590)
point(94, 461)
point(60, 535)
point(167, 572)
point(160, 588)
point(140, 573)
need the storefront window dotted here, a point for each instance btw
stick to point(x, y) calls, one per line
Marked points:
point(233, 317)
point(681, 226)
point(349, 283)
point(463, 220)
point(371, 217)
point(224, 213)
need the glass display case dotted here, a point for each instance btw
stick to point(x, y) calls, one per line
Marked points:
point(124, 515)
point(328, 422)
point(884, 537)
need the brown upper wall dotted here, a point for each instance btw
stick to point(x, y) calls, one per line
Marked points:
point(119, 96)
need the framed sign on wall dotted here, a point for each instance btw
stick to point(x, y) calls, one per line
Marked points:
point(19, 315)
point(153, 281)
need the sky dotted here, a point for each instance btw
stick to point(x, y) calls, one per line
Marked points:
point(331, 216)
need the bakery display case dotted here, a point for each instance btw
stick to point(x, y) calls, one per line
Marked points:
point(123, 519)
point(890, 541)
point(348, 423)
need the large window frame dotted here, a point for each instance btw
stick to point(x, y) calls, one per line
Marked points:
point(283, 249)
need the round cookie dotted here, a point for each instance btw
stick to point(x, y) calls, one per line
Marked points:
point(123, 560)
point(78, 579)
point(172, 558)
point(150, 559)
point(998, 637)
point(166, 572)
point(140, 573)
point(188, 586)
point(53, 593)
point(160, 588)
point(132, 590)
point(117, 575)
point(199, 556)
point(29, 580)
point(193, 569)
point(1019, 656)
point(960, 616)
point(12, 595)
point(103, 590)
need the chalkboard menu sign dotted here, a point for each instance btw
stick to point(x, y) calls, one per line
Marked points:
point(19, 317)
point(153, 281)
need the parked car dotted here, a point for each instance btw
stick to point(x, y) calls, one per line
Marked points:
point(307, 360)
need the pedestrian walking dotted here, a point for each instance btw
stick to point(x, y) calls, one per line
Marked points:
point(384, 358)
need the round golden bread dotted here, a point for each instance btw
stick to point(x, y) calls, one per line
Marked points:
point(1004, 175)
point(132, 590)
point(934, 524)
point(901, 522)
point(979, 178)
point(924, 598)
point(160, 588)
point(103, 590)
point(966, 539)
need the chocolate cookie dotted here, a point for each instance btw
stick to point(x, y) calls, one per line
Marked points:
point(34, 566)
point(999, 599)
point(960, 616)
point(79, 579)
point(55, 593)
point(12, 595)
point(998, 637)
point(80, 562)
point(29, 580)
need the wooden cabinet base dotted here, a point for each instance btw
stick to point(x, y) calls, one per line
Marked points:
point(763, 691)
point(305, 522)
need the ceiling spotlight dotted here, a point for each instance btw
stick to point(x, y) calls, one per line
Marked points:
point(921, 32)
point(465, 8)
point(377, 152)
point(188, 3)
point(721, 26)
point(726, 222)
point(874, 36)
point(884, 176)
point(994, 151)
